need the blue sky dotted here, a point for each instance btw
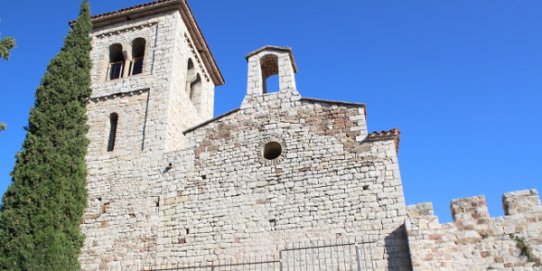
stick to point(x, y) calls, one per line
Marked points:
point(462, 79)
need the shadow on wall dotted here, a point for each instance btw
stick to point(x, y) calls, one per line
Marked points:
point(396, 246)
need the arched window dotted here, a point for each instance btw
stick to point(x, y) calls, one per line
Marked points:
point(113, 123)
point(193, 82)
point(138, 54)
point(190, 65)
point(270, 71)
point(190, 75)
point(116, 61)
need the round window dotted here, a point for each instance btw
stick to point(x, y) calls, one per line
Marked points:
point(272, 150)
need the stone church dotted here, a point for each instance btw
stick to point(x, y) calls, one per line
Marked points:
point(284, 182)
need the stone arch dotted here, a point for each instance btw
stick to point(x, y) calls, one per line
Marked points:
point(269, 65)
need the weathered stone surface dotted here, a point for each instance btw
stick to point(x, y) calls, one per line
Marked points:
point(180, 188)
point(475, 241)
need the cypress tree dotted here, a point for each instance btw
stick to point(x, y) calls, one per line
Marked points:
point(43, 206)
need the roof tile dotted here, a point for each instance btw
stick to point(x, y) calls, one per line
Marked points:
point(132, 8)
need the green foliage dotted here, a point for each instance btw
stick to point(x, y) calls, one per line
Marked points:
point(43, 206)
point(526, 249)
point(6, 44)
point(2, 126)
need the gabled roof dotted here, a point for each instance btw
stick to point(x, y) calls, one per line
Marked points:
point(161, 6)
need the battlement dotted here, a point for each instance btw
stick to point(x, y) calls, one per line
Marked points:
point(473, 210)
point(521, 202)
point(474, 238)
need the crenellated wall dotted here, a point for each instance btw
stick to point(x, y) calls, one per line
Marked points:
point(474, 240)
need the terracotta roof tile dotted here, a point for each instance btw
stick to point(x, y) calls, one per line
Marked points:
point(132, 8)
point(384, 135)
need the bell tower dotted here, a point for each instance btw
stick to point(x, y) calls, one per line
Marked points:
point(153, 77)
point(266, 62)
point(154, 72)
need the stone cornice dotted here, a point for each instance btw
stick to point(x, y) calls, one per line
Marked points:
point(118, 95)
point(127, 29)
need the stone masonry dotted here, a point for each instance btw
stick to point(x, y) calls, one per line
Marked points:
point(171, 186)
point(474, 239)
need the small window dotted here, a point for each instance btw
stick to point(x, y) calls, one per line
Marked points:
point(190, 65)
point(113, 123)
point(273, 224)
point(138, 55)
point(116, 61)
point(190, 76)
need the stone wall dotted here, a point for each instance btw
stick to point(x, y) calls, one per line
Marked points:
point(474, 240)
point(184, 112)
point(170, 194)
point(222, 199)
point(180, 188)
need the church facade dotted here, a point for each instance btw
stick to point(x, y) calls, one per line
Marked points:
point(284, 182)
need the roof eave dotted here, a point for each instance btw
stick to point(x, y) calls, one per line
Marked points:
point(201, 44)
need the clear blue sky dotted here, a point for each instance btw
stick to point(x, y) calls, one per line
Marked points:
point(462, 79)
